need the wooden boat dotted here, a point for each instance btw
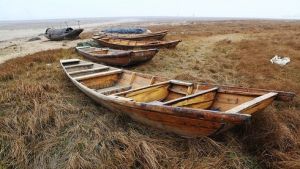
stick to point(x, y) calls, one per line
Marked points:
point(187, 109)
point(137, 37)
point(130, 44)
point(62, 34)
point(116, 57)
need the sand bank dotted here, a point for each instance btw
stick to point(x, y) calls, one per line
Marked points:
point(14, 36)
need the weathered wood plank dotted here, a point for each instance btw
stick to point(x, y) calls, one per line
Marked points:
point(244, 106)
point(68, 61)
point(113, 89)
point(79, 65)
point(141, 88)
point(101, 81)
point(178, 82)
point(98, 74)
point(89, 70)
point(190, 96)
point(156, 93)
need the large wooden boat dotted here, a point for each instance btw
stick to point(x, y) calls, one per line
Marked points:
point(130, 44)
point(137, 37)
point(187, 109)
point(116, 57)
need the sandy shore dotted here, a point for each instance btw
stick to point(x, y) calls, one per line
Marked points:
point(14, 36)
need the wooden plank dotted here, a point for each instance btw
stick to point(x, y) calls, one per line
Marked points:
point(146, 90)
point(79, 65)
point(224, 102)
point(180, 125)
point(190, 96)
point(89, 70)
point(120, 98)
point(98, 74)
point(101, 81)
point(113, 89)
point(156, 93)
point(251, 103)
point(69, 61)
point(178, 91)
point(282, 95)
point(178, 82)
point(140, 88)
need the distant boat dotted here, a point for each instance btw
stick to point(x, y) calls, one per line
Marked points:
point(131, 44)
point(116, 57)
point(137, 37)
point(62, 34)
point(125, 30)
point(184, 108)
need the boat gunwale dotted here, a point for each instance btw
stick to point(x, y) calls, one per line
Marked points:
point(122, 53)
point(162, 34)
point(217, 116)
point(211, 116)
point(145, 44)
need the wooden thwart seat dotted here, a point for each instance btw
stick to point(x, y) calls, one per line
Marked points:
point(251, 103)
point(190, 96)
point(89, 70)
point(178, 82)
point(184, 98)
point(79, 65)
point(157, 84)
point(141, 88)
point(98, 74)
point(69, 61)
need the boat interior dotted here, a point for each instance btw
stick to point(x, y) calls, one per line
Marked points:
point(131, 42)
point(98, 51)
point(130, 86)
point(132, 35)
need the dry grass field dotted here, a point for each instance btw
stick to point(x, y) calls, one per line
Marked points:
point(46, 122)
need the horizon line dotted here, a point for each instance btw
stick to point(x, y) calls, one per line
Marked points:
point(153, 17)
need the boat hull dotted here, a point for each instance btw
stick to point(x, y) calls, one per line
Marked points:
point(167, 44)
point(181, 125)
point(124, 58)
point(235, 104)
point(64, 36)
point(149, 36)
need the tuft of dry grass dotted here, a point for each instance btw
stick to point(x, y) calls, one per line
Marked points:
point(46, 122)
point(86, 35)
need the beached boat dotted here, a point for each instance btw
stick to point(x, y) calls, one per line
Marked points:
point(130, 44)
point(116, 57)
point(137, 37)
point(187, 109)
point(62, 34)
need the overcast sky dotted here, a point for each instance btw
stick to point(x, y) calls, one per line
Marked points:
point(53, 9)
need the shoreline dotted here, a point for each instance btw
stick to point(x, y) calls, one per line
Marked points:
point(14, 40)
point(14, 35)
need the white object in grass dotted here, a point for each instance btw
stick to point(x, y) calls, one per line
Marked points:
point(280, 60)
